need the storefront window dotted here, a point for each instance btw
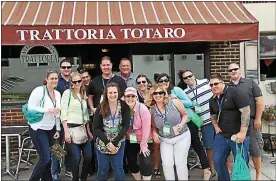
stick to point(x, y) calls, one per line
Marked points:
point(268, 54)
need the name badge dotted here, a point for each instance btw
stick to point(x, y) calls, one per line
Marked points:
point(166, 130)
point(114, 129)
point(197, 108)
point(132, 138)
point(101, 99)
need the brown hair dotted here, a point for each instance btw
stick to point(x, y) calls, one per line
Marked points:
point(143, 75)
point(82, 90)
point(217, 76)
point(104, 111)
point(150, 101)
point(49, 72)
point(105, 58)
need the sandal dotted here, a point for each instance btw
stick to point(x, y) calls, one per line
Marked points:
point(157, 173)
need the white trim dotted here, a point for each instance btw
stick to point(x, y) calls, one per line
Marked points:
point(61, 13)
point(164, 7)
point(176, 10)
point(232, 12)
point(143, 11)
point(73, 13)
point(108, 12)
point(243, 12)
point(188, 12)
point(97, 12)
point(199, 12)
point(3, 4)
point(85, 13)
point(10, 15)
point(211, 12)
point(36, 14)
point(132, 13)
point(49, 13)
point(152, 5)
point(121, 13)
point(221, 12)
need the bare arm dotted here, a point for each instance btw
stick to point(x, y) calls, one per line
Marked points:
point(214, 120)
point(90, 102)
point(182, 110)
point(259, 107)
point(245, 118)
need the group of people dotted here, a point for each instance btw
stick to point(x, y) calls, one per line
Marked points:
point(116, 117)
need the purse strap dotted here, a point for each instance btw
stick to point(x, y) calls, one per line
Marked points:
point(70, 94)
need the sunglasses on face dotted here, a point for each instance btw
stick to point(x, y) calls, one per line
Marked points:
point(164, 81)
point(159, 93)
point(86, 77)
point(215, 84)
point(130, 96)
point(76, 81)
point(142, 82)
point(189, 76)
point(233, 70)
point(66, 67)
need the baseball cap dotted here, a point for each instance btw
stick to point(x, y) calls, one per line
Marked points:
point(131, 91)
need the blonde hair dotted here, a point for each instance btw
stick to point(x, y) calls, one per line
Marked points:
point(82, 89)
point(150, 101)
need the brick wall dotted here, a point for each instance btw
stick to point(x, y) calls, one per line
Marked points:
point(11, 117)
point(221, 55)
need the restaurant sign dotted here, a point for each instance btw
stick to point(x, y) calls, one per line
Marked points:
point(39, 58)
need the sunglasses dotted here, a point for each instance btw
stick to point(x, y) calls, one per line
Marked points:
point(215, 84)
point(66, 67)
point(86, 77)
point(234, 69)
point(130, 96)
point(164, 81)
point(76, 81)
point(159, 93)
point(142, 82)
point(189, 76)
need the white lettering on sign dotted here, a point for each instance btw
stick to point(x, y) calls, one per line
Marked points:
point(101, 34)
point(39, 58)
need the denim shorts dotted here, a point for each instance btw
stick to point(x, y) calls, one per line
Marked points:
point(208, 135)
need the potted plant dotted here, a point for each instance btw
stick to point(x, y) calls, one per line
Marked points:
point(269, 113)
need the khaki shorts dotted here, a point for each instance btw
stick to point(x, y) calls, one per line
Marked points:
point(256, 141)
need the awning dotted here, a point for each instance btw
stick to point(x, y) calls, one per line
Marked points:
point(77, 22)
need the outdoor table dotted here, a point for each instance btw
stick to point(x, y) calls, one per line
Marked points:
point(8, 132)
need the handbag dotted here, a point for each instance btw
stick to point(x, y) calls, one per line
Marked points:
point(58, 151)
point(34, 116)
point(78, 134)
point(241, 169)
point(195, 119)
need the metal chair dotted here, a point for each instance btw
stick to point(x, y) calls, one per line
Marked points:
point(27, 146)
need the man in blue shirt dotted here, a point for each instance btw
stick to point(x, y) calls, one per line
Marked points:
point(63, 84)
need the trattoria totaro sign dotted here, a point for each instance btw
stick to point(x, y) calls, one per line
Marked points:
point(52, 56)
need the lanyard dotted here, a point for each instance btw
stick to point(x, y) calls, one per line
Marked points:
point(81, 107)
point(53, 101)
point(164, 116)
point(113, 117)
point(107, 81)
point(132, 119)
point(195, 94)
point(238, 83)
point(220, 103)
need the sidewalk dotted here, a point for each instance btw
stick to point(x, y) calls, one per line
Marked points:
point(269, 172)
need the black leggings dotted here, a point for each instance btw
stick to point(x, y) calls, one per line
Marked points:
point(197, 145)
point(146, 165)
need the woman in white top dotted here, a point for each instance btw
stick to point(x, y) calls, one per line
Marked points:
point(42, 132)
point(74, 116)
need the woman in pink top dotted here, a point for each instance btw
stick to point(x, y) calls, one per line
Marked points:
point(138, 136)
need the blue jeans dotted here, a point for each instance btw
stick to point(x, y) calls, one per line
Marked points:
point(42, 140)
point(116, 161)
point(222, 149)
point(75, 151)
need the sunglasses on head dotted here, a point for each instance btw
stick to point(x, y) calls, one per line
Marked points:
point(76, 81)
point(234, 69)
point(215, 84)
point(164, 81)
point(66, 67)
point(159, 93)
point(130, 96)
point(142, 82)
point(86, 77)
point(189, 76)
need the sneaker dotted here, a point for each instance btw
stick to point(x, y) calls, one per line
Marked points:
point(56, 177)
point(68, 174)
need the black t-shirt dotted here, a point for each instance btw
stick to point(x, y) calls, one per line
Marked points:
point(231, 101)
point(98, 84)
